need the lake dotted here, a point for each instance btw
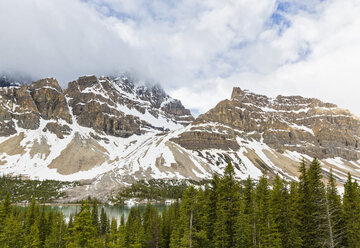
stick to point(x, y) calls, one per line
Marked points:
point(111, 211)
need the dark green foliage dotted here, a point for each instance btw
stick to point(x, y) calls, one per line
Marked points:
point(134, 230)
point(243, 230)
point(209, 206)
point(334, 214)
point(188, 228)
point(227, 209)
point(155, 189)
point(95, 216)
point(83, 230)
point(312, 206)
point(267, 232)
point(223, 213)
point(104, 222)
point(24, 190)
point(151, 223)
point(351, 208)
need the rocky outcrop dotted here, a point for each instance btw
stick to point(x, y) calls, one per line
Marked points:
point(17, 109)
point(50, 100)
point(205, 140)
point(96, 107)
point(304, 125)
point(57, 129)
point(117, 107)
point(175, 110)
point(24, 106)
point(208, 137)
point(110, 106)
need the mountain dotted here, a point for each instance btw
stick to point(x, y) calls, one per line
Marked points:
point(109, 132)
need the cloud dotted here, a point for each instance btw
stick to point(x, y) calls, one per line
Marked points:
point(316, 55)
point(198, 50)
point(63, 39)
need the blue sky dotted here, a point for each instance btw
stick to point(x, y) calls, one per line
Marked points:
point(196, 49)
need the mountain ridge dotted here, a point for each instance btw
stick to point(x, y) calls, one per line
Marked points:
point(109, 133)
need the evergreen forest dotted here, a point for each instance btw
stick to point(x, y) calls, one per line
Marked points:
point(224, 213)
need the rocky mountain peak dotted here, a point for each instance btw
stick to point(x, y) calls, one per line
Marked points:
point(109, 106)
point(237, 93)
point(86, 82)
point(48, 83)
point(305, 125)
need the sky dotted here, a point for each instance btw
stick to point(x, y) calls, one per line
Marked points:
point(198, 50)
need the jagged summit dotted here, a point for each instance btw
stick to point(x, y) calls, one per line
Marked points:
point(114, 107)
point(305, 125)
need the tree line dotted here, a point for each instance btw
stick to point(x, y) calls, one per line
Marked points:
point(225, 213)
point(155, 189)
point(22, 190)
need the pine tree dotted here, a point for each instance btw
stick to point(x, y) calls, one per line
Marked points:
point(5, 207)
point(267, 232)
point(200, 223)
point(284, 211)
point(164, 229)
point(5, 210)
point(334, 214)
point(56, 237)
point(211, 194)
point(249, 208)
point(293, 219)
point(151, 226)
point(169, 220)
point(103, 222)
point(303, 203)
point(43, 227)
point(113, 236)
point(122, 233)
point(183, 234)
point(278, 206)
point(12, 233)
point(83, 230)
point(95, 216)
point(227, 209)
point(351, 213)
point(312, 205)
point(134, 229)
point(243, 235)
point(32, 239)
point(32, 214)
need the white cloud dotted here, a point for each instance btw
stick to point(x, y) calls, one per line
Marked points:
point(198, 50)
point(317, 56)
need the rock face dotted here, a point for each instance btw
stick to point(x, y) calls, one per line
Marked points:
point(304, 125)
point(110, 106)
point(117, 107)
point(17, 109)
point(96, 108)
point(204, 138)
point(50, 100)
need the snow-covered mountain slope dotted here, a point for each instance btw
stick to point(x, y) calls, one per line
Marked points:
point(109, 132)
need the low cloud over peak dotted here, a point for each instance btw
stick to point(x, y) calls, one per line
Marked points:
point(198, 50)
